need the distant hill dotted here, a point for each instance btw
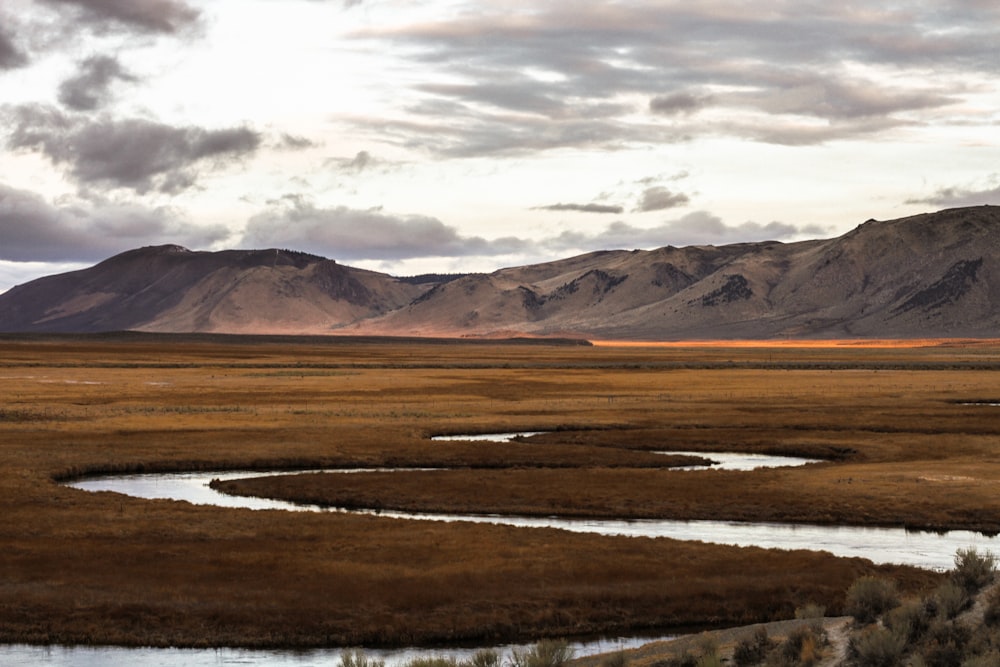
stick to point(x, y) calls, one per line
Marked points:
point(930, 275)
point(172, 289)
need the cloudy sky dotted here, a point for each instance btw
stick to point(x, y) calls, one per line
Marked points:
point(458, 135)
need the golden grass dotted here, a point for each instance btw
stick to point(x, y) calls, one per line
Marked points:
point(78, 567)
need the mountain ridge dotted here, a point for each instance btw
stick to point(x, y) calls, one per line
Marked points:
point(929, 275)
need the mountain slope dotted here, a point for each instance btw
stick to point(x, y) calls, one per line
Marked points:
point(172, 289)
point(930, 275)
point(935, 274)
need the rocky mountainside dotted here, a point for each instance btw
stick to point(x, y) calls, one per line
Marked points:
point(172, 289)
point(931, 275)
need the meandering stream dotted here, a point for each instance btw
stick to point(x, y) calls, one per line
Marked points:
point(883, 545)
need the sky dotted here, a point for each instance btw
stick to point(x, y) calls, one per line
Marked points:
point(451, 136)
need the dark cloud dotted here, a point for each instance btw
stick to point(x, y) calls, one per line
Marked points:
point(137, 154)
point(826, 96)
point(352, 235)
point(91, 87)
point(32, 229)
point(11, 56)
point(677, 103)
point(583, 208)
point(659, 198)
point(957, 197)
point(572, 74)
point(155, 16)
point(295, 143)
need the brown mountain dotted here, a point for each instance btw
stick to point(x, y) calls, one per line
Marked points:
point(172, 289)
point(931, 275)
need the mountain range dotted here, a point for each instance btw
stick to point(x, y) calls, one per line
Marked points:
point(930, 275)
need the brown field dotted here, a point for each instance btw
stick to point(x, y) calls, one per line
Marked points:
point(78, 567)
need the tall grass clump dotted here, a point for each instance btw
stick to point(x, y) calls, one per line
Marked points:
point(870, 597)
point(359, 659)
point(973, 570)
point(546, 653)
point(486, 657)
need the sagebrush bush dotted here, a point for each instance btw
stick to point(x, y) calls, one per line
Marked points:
point(753, 650)
point(991, 659)
point(951, 599)
point(803, 646)
point(991, 610)
point(973, 570)
point(910, 619)
point(944, 644)
point(876, 647)
point(870, 597)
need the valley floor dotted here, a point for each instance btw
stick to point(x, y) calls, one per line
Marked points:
point(909, 434)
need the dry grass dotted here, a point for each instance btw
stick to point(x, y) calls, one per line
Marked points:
point(101, 568)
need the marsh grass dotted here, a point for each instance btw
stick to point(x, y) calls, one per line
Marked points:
point(100, 568)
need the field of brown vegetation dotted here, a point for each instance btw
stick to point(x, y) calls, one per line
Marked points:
point(903, 445)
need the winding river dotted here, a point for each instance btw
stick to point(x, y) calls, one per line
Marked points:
point(883, 545)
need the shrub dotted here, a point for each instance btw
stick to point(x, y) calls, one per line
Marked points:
point(752, 650)
point(546, 653)
point(876, 647)
point(991, 612)
point(944, 645)
point(810, 611)
point(951, 599)
point(709, 648)
point(870, 597)
point(973, 570)
point(803, 646)
point(910, 619)
point(991, 659)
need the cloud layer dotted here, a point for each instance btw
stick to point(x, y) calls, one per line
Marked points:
point(429, 130)
point(33, 229)
point(132, 153)
point(614, 74)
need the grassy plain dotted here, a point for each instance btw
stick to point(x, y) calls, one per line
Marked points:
point(78, 567)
